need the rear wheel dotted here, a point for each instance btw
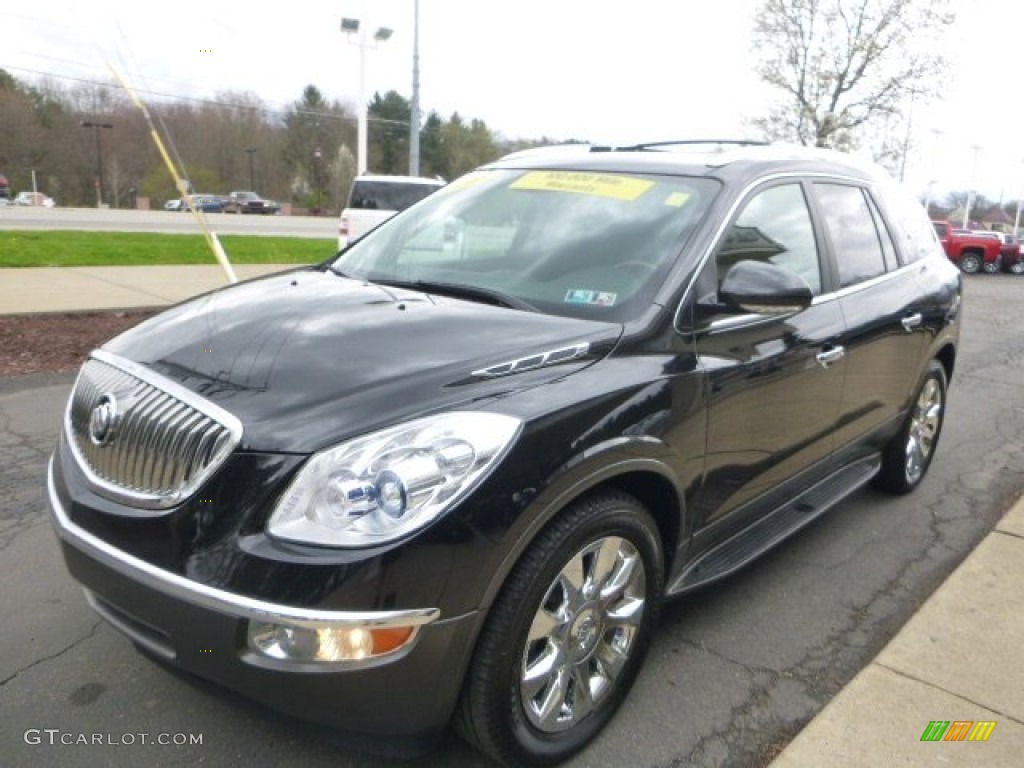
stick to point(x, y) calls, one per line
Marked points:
point(907, 457)
point(970, 262)
point(1017, 267)
point(993, 267)
point(567, 635)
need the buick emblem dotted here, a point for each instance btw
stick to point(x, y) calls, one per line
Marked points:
point(103, 420)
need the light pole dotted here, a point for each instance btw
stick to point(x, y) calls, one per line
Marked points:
point(414, 117)
point(354, 27)
point(970, 192)
point(252, 176)
point(99, 157)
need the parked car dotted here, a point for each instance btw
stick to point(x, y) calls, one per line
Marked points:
point(453, 472)
point(970, 250)
point(177, 204)
point(36, 199)
point(1010, 259)
point(373, 199)
point(244, 201)
point(5, 188)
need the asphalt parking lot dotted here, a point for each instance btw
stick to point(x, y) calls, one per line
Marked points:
point(734, 672)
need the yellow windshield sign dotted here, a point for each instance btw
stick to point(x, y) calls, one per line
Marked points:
point(601, 185)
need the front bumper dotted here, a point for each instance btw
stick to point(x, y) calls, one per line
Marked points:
point(408, 694)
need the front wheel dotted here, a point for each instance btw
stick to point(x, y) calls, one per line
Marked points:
point(907, 457)
point(1017, 267)
point(567, 635)
point(970, 262)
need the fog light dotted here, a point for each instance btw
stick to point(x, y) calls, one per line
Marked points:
point(289, 642)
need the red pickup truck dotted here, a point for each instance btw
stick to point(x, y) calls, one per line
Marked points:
point(970, 251)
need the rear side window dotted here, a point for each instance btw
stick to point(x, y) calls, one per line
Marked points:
point(388, 195)
point(851, 228)
point(916, 236)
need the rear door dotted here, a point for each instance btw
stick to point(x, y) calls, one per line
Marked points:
point(881, 302)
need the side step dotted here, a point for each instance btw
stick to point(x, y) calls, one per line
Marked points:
point(734, 553)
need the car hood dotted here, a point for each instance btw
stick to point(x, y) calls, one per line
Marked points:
point(307, 358)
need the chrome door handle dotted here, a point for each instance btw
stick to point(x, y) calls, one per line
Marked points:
point(829, 356)
point(910, 322)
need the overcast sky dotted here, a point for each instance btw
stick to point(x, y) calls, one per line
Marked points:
point(603, 70)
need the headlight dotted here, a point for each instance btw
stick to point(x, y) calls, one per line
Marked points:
point(382, 486)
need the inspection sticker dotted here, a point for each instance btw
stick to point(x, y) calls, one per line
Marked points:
point(595, 298)
point(599, 184)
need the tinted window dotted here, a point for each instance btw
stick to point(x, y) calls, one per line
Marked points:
point(888, 249)
point(387, 195)
point(916, 237)
point(774, 226)
point(852, 231)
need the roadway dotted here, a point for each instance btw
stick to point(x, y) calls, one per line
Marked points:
point(734, 672)
point(170, 222)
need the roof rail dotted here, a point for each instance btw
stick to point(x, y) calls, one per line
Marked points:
point(684, 142)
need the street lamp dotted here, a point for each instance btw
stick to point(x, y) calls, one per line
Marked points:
point(353, 27)
point(252, 176)
point(99, 157)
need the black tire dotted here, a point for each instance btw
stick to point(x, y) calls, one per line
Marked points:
point(906, 459)
point(970, 262)
point(504, 718)
point(1017, 268)
point(993, 267)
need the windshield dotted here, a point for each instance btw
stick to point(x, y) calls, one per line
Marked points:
point(592, 245)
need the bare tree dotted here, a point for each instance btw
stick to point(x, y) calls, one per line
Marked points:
point(843, 66)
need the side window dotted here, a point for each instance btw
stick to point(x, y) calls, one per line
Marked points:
point(916, 237)
point(852, 231)
point(774, 226)
point(888, 249)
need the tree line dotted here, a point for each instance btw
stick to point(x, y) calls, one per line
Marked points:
point(72, 135)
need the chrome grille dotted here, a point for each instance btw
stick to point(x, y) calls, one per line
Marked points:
point(158, 442)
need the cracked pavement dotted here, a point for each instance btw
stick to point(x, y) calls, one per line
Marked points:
point(735, 672)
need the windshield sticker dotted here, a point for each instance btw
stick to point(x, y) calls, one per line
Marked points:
point(594, 298)
point(677, 199)
point(597, 184)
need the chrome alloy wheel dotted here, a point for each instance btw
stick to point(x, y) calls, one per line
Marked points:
point(924, 428)
point(582, 634)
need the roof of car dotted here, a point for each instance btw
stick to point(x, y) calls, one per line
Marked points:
point(702, 158)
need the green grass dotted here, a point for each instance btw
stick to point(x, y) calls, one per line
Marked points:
point(95, 249)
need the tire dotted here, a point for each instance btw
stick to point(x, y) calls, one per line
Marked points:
point(906, 459)
point(970, 262)
point(1017, 267)
point(521, 702)
point(993, 267)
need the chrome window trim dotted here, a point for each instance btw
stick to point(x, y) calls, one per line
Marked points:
point(741, 198)
point(218, 600)
point(148, 500)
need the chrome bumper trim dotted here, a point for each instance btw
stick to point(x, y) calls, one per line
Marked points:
point(218, 600)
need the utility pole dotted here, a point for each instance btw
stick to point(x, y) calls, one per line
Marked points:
point(414, 122)
point(99, 157)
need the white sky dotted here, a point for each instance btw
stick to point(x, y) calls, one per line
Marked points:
point(604, 70)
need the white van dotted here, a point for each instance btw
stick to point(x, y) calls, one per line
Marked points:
point(374, 199)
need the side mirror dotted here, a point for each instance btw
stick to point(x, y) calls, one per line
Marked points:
point(764, 288)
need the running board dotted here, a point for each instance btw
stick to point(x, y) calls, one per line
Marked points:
point(734, 553)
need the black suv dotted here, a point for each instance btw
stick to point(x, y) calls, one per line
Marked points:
point(455, 470)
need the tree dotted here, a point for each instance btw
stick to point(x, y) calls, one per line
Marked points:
point(844, 66)
point(315, 130)
point(388, 139)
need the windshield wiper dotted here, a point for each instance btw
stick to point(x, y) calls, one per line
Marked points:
point(460, 291)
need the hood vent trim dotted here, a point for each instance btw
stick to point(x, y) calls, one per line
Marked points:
point(533, 362)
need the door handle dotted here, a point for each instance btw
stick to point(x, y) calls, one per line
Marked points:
point(829, 356)
point(910, 322)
